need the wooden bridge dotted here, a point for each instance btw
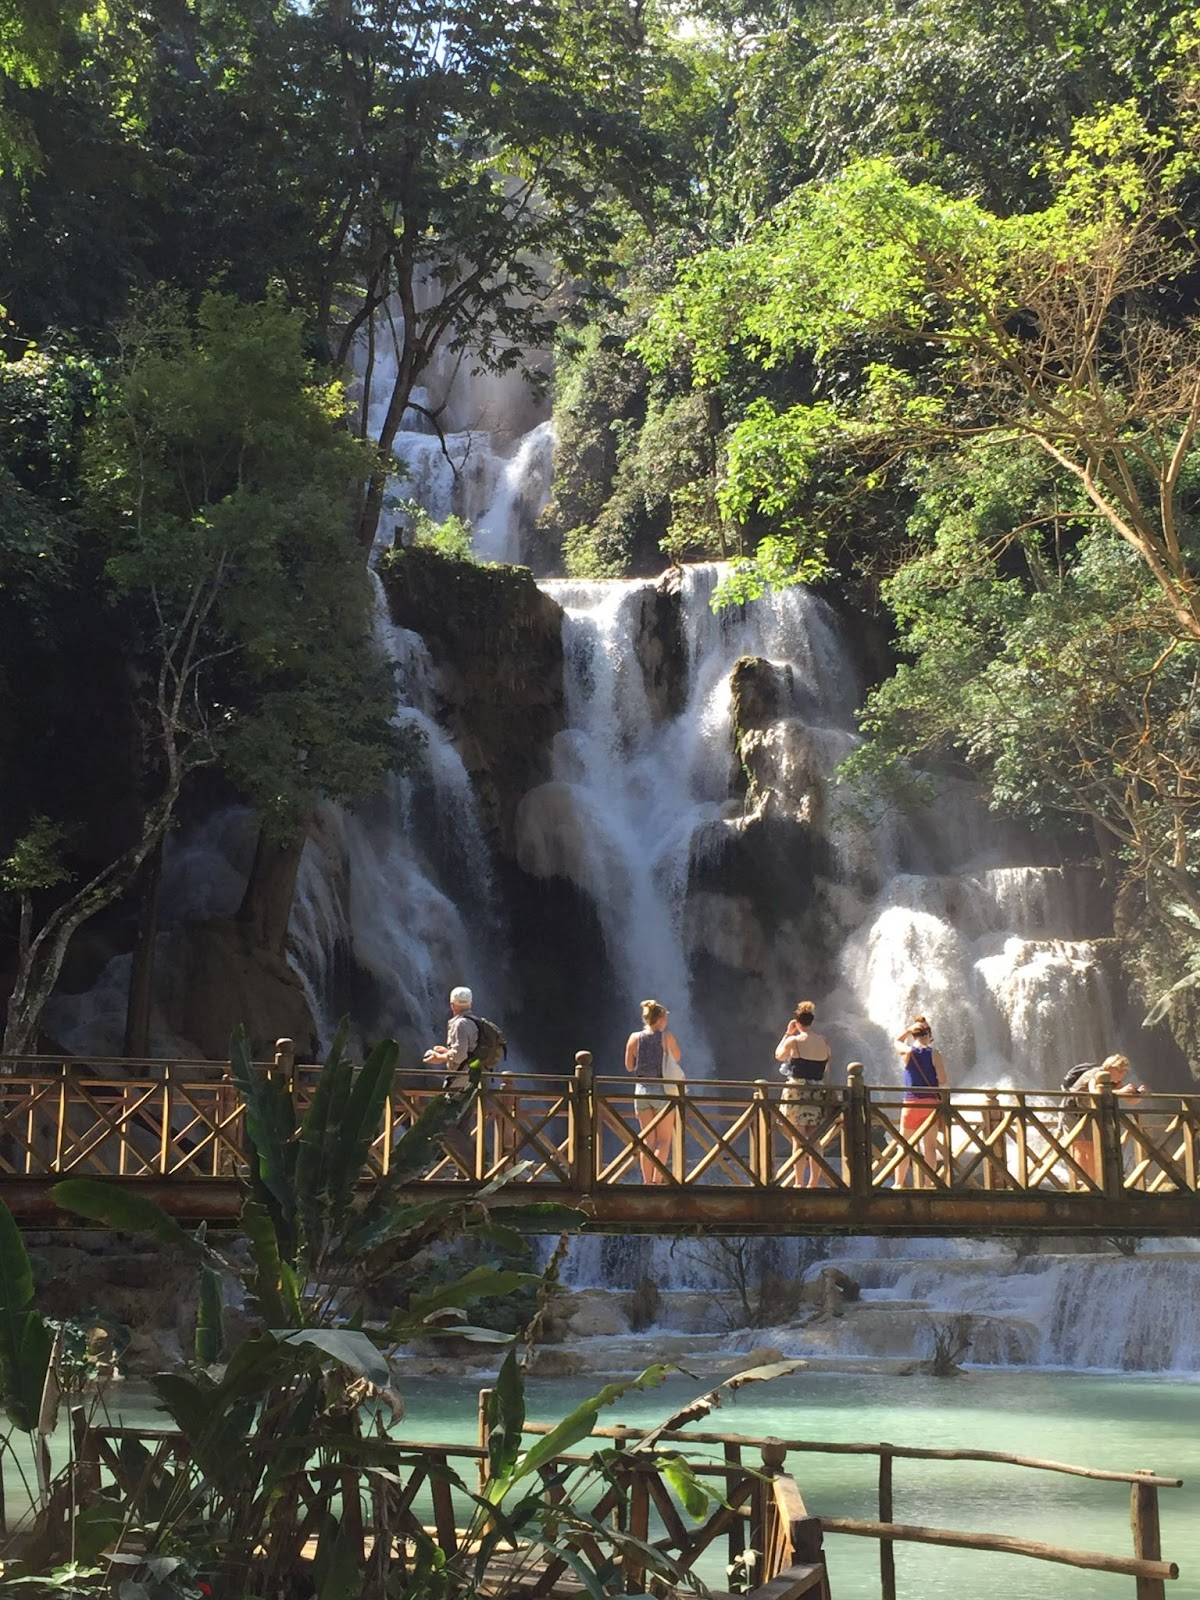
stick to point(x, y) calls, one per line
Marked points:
point(994, 1162)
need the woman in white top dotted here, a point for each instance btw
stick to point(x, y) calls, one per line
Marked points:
point(653, 1057)
point(804, 1057)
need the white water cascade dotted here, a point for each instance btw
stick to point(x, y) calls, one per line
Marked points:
point(396, 901)
point(399, 892)
point(641, 799)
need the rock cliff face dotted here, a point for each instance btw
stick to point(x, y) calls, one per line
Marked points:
point(496, 641)
point(758, 922)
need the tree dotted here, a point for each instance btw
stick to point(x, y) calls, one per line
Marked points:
point(469, 151)
point(215, 485)
point(1039, 648)
point(1028, 386)
point(32, 35)
point(1054, 326)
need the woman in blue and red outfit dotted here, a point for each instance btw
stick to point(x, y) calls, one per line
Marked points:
point(924, 1075)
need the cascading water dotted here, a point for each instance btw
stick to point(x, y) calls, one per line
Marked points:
point(641, 796)
point(396, 901)
point(400, 893)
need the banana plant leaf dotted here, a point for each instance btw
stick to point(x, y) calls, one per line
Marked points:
point(473, 1285)
point(348, 1346)
point(577, 1425)
point(270, 1132)
point(102, 1200)
point(25, 1339)
point(317, 1137)
point(210, 1318)
point(506, 1417)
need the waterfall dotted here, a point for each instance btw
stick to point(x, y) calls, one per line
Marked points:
point(396, 900)
point(641, 795)
point(1085, 1309)
point(401, 891)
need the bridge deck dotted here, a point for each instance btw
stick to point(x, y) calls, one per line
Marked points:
point(719, 1157)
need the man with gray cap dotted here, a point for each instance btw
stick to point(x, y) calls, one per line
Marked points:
point(462, 1040)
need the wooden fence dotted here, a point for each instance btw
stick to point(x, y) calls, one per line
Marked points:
point(760, 1519)
point(1146, 1565)
point(591, 1140)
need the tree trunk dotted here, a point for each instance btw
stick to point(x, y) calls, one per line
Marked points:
point(266, 907)
point(141, 971)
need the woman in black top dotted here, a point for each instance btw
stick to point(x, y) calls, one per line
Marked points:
point(804, 1061)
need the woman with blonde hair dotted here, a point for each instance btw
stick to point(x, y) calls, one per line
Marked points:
point(804, 1058)
point(653, 1057)
point(1084, 1146)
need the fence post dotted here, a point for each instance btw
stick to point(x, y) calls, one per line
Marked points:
point(283, 1067)
point(1111, 1167)
point(1143, 1515)
point(858, 1130)
point(991, 1122)
point(887, 1549)
point(761, 1138)
point(485, 1396)
point(583, 1129)
point(164, 1132)
point(60, 1133)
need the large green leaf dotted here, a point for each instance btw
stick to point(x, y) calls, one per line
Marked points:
point(270, 1284)
point(359, 1125)
point(270, 1130)
point(473, 1285)
point(210, 1318)
point(680, 1474)
point(578, 1425)
point(348, 1346)
point(25, 1340)
point(318, 1139)
point(381, 1224)
point(506, 1417)
point(118, 1206)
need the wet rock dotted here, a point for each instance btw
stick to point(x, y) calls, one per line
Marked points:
point(596, 1312)
point(762, 1355)
point(556, 1362)
point(496, 642)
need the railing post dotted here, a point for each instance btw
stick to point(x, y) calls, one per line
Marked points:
point(123, 1136)
point(1111, 1168)
point(583, 1124)
point(1143, 1515)
point(761, 1140)
point(639, 1521)
point(283, 1067)
point(887, 1549)
point(485, 1396)
point(60, 1132)
point(858, 1130)
point(164, 1132)
point(992, 1115)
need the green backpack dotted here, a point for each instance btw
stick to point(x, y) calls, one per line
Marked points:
point(491, 1047)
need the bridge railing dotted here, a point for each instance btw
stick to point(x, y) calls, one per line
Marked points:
point(583, 1133)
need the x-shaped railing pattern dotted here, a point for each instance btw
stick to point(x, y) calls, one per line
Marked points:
point(586, 1134)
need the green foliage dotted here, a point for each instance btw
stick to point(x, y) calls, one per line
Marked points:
point(507, 1264)
point(25, 1339)
point(36, 859)
point(218, 474)
point(452, 538)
